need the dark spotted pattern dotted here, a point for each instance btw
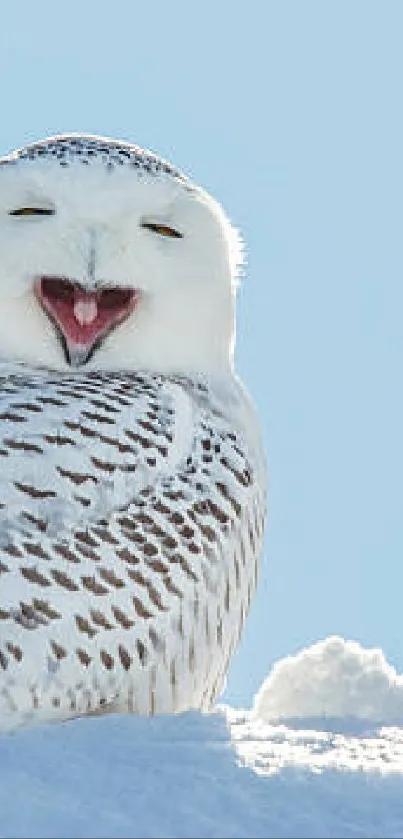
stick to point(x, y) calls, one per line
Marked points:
point(131, 520)
point(84, 149)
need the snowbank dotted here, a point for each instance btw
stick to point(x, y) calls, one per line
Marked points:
point(333, 678)
point(225, 774)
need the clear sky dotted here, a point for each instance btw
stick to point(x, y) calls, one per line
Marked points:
point(290, 113)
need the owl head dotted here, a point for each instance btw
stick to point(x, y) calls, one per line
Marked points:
point(110, 258)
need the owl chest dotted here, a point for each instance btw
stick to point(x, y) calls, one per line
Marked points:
point(71, 454)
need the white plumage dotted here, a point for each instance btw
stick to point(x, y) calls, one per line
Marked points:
point(132, 478)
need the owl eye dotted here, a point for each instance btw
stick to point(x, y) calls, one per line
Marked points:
point(162, 229)
point(32, 211)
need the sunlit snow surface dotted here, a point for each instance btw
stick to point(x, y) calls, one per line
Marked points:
point(231, 773)
point(317, 745)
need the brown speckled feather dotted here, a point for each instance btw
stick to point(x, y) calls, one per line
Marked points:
point(131, 519)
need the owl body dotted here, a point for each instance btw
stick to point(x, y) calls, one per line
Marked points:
point(132, 498)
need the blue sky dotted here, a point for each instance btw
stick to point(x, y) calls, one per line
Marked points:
point(289, 113)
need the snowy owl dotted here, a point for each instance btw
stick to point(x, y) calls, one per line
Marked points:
point(132, 476)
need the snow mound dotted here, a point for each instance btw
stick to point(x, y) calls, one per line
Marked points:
point(196, 775)
point(228, 773)
point(333, 678)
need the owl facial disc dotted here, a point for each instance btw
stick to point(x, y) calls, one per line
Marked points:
point(82, 318)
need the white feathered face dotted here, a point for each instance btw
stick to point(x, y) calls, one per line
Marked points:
point(111, 259)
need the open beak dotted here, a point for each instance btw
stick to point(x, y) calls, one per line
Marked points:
point(83, 318)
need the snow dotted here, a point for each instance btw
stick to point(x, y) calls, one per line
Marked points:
point(333, 678)
point(320, 754)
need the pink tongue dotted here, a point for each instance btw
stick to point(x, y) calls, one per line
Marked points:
point(85, 311)
point(84, 317)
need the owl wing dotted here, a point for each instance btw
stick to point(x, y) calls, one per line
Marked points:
point(129, 544)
